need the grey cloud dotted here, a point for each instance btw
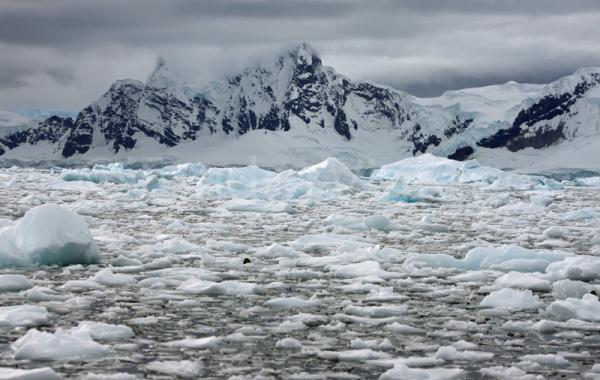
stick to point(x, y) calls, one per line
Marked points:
point(73, 49)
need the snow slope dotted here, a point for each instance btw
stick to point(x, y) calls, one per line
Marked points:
point(292, 111)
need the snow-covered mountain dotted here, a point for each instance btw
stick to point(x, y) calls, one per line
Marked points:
point(294, 110)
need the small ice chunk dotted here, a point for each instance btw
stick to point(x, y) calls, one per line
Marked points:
point(42, 294)
point(547, 360)
point(14, 282)
point(188, 369)
point(332, 170)
point(523, 281)
point(505, 258)
point(378, 222)
point(231, 288)
point(23, 316)
point(570, 289)
point(556, 232)
point(586, 308)
point(62, 345)
point(277, 250)
point(210, 342)
point(289, 344)
point(402, 371)
point(508, 373)
point(541, 200)
point(44, 373)
point(258, 205)
point(291, 303)
point(176, 246)
point(512, 299)
point(451, 353)
point(400, 328)
point(110, 376)
point(103, 331)
point(107, 277)
point(580, 267)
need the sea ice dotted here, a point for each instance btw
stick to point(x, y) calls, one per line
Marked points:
point(332, 170)
point(103, 331)
point(505, 258)
point(14, 282)
point(61, 345)
point(48, 235)
point(44, 373)
point(512, 299)
point(402, 371)
point(433, 170)
point(187, 369)
point(258, 205)
point(23, 316)
point(587, 308)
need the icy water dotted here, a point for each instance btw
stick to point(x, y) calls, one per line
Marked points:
point(340, 290)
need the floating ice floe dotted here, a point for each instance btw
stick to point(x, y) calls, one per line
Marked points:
point(23, 316)
point(61, 345)
point(506, 258)
point(103, 331)
point(587, 308)
point(332, 170)
point(44, 373)
point(325, 180)
point(211, 342)
point(258, 205)
point(402, 371)
point(14, 282)
point(398, 191)
point(118, 174)
point(188, 369)
point(433, 170)
point(230, 288)
point(48, 235)
point(512, 299)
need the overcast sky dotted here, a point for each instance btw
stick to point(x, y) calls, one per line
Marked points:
point(66, 53)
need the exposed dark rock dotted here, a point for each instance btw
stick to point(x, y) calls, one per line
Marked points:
point(462, 153)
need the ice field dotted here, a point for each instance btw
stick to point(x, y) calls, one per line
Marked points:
point(427, 269)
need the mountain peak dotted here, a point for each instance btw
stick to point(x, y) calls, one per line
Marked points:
point(304, 53)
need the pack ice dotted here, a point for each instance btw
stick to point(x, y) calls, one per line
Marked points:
point(428, 268)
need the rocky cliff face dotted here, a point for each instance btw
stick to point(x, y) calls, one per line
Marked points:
point(296, 93)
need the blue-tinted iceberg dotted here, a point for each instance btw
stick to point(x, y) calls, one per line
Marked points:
point(48, 235)
point(432, 170)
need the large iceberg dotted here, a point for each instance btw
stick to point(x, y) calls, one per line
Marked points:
point(48, 235)
point(505, 258)
point(324, 180)
point(428, 169)
point(117, 173)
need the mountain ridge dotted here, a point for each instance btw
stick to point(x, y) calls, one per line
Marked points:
point(297, 97)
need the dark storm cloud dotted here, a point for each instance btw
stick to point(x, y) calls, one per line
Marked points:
point(67, 52)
